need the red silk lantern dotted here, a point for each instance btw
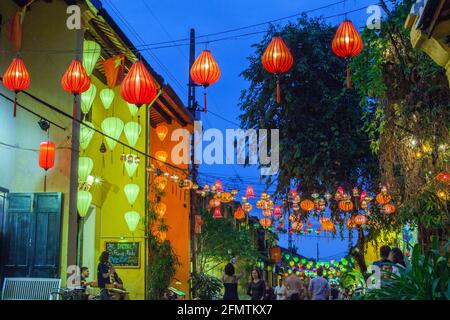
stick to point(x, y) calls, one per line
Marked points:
point(250, 192)
point(277, 211)
point(219, 187)
point(16, 78)
point(277, 58)
point(347, 43)
point(443, 177)
point(205, 71)
point(275, 254)
point(75, 80)
point(46, 158)
point(217, 214)
point(138, 87)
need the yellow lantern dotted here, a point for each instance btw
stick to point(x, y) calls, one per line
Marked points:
point(85, 166)
point(132, 131)
point(107, 97)
point(87, 98)
point(112, 127)
point(84, 200)
point(161, 156)
point(160, 209)
point(91, 54)
point(131, 192)
point(161, 132)
point(160, 183)
point(86, 134)
point(132, 219)
point(133, 109)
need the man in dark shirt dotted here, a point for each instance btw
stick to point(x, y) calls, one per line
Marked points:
point(384, 254)
point(104, 272)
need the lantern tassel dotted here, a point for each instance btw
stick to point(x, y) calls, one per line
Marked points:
point(15, 106)
point(278, 91)
point(204, 101)
point(45, 182)
point(349, 86)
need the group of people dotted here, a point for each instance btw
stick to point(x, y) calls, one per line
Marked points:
point(291, 288)
point(392, 262)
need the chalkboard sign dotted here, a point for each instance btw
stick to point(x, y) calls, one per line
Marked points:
point(123, 254)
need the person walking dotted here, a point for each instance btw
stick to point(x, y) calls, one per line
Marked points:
point(230, 282)
point(280, 290)
point(294, 286)
point(319, 287)
point(257, 287)
point(104, 272)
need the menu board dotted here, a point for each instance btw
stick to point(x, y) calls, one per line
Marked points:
point(123, 254)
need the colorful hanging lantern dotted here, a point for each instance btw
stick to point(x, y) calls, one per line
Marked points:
point(218, 185)
point(138, 87)
point(443, 177)
point(85, 166)
point(161, 156)
point(382, 198)
point(131, 192)
point(91, 54)
point(217, 214)
point(307, 205)
point(265, 222)
point(112, 127)
point(297, 226)
point(46, 158)
point(346, 206)
point(87, 98)
point(84, 200)
point(250, 192)
point(214, 203)
point(389, 208)
point(160, 183)
point(247, 207)
point(86, 133)
point(206, 188)
point(277, 211)
point(360, 219)
point(132, 219)
point(132, 131)
point(347, 43)
point(75, 80)
point(160, 209)
point(239, 214)
point(205, 71)
point(161, 132)
point(131, 164)
point(277, 59)
point(107, 97)
point(16, 78)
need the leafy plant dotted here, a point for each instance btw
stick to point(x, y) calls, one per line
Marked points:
point(426, 279)
point(205, 287)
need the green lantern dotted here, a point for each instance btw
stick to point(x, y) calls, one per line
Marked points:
point(91, 54)
point(296, 259)
point(107, 97)
point(86, 134)
point(131, 166)
point(287, 256)
point(132, 219)
point(84, 200)
point(112, 127)
point(133, 109)
point(303, 261)
point(85, 166)
point(131, 192)
point(132, 131)
point(87, 99)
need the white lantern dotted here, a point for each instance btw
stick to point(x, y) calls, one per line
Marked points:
point(86, 134)
point(112, 127)
point(84, 199)
point(132, 131)
point(131, 166)
point(87, 98)
point(85, 166)
point(133, 109)
point(91, 53)
point(107, 97)
point(132, 219)
point(131, 192)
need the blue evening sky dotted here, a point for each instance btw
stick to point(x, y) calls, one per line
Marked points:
point(161, 21)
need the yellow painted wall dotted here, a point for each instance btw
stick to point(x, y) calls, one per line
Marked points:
point(372, 249)
point(109, 197)
point(20, 171)
point(177, 214)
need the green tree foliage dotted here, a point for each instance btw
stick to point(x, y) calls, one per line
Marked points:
point(322, 144)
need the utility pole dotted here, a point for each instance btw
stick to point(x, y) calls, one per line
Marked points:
point(192, 107)
point(317, 249)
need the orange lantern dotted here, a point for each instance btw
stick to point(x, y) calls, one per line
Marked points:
point(360, 219)
point(350, 223)
point(383, 198)
point(347, 43)
point(138, 87)
point(346, 206)
point(161, 156)
point(247, 207)
point(46, 158)
point(205, 71)
point(160, 209)
point(293, 217)
point(265, 222)
point(161, 132)
point(297, 226)
point(214, 203)
point(275, 254)
point(307, 205)
point(160, 183)
point(225, 197)
point(75, 80)
point(16, 78)
point(217, 214)
point(389, 208)
point(239, 214)
point(276, 59)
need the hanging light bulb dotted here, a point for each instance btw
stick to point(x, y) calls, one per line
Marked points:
point(107, 96)
point(86, 134)
point(132, 131)
point(84, 200)
point(112, 127)
point(87, 99)
point(132, 219)
point(85, 166)
point(131, 192)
